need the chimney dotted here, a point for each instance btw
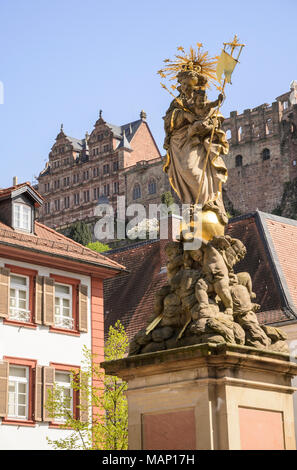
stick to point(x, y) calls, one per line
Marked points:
point(14, 181)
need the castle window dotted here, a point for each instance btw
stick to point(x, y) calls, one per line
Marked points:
point(136, 191)
point(86, 175)
point(239, 134)
point(100, 137)
point(106, 148)
point(228, 134)
point(66, 202)
point(86, 196)
point(152, 187)
point(265, 154)
point(238, 160)
point(116, 187)
point(285, 105)
point(95, 172)
point(115, 166)
point(106, 169)
point(57, 204)
point(268, 126)
point(106, 190)
point(76, 199)
point(47, 208)
point(96, 193)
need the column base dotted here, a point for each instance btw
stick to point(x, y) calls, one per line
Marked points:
point(220, 397)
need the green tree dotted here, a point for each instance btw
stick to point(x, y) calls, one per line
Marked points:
point(98, 246)
point(167, 198)
point(102, 397)
point(80, 232)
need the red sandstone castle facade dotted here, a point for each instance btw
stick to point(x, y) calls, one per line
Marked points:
point(125, 160)
point(111, 161)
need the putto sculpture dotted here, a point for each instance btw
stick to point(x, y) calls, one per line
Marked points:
point(204, 300)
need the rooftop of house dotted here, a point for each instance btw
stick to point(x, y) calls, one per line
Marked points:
point(271, 260)
point(41, 239)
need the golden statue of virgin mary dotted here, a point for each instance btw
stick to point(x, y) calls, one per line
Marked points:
point(195, 141)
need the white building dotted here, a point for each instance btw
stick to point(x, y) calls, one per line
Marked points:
point(51, 305)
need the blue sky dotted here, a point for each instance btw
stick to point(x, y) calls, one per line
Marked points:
point(62, 61)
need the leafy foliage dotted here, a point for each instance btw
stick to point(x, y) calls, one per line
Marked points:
point(80, 232)
point(101, 396)
point(98, 246)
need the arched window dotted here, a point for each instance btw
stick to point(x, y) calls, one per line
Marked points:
point(238, 160)
point(152, 187)
point(265, 154)
point(136, 191)
point(228, 134)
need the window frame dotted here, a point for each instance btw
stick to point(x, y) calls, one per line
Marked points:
point(22, 205)
point(136, 193)
point(265, 154)
point(59, 367)
point(152, 184)
point(18, 287)
point(61, 297)
point(31, 366)
point(106, 189)
point(17, 381)
point(74, 283)
point(76, 198)
point(31, 274)
point(238, 161)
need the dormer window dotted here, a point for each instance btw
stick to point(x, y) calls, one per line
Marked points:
point(22, 217)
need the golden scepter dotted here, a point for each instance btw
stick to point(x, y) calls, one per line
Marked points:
point(226, 64)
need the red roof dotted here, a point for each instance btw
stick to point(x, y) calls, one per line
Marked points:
point(284, 238)
point(5, 192)
point(49, 242)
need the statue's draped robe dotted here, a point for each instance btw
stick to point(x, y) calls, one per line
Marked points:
point(186, 158)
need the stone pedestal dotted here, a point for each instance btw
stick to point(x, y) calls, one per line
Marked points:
point(209, 397)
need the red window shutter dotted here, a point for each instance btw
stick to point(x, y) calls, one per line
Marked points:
point(83, 308)
point(48, 301)
point(83, 398)
point(38, 299)
point(38, 394)
point(4, 292)
point(48, 384)
point(4, 376)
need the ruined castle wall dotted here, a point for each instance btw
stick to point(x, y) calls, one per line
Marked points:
point(261, 156)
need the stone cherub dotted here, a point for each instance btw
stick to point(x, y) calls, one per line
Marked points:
point(217, 259)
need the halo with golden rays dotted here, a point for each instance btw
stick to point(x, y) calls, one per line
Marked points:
point(196, 60)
